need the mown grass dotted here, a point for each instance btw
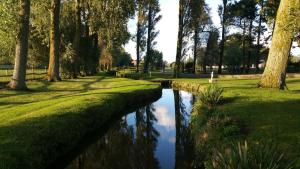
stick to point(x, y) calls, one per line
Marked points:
point(267, 113)
point(40, 125)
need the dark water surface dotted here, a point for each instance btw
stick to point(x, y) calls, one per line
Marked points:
point(153, 137)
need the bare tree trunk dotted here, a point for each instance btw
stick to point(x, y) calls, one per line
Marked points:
point(249, 47)
point(18, 81)
point(244, 46)
point(86, 18)
point(258, 37)
point(275, 71)
point(179, 40)
point(196, 41)
point(138, 37)
point(53, 70)
point(222, 44)
point(76, 41)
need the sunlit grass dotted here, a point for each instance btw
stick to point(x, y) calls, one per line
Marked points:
point(39, 125)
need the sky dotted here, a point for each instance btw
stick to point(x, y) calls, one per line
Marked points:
point(168, 27)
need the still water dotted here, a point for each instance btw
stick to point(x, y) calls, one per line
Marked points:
point(153, 137)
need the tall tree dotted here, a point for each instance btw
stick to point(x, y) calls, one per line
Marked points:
point(18, 81)
point(259, 31)
point(182, 9)
point(77, 36)
point(53, 69)
point(223, 14)
point(242, 14)
point(153, 19)
point(250, 12)
point(211, 51)
point(287, 22)
point(199, 19)
point(141, 31)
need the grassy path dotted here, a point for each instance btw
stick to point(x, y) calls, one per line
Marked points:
point(38, 126)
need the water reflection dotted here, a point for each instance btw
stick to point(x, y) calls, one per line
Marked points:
point(153, 137)
point(183, 142)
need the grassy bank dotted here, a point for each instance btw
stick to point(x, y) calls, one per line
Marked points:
point(267, 113)
point(38, 126)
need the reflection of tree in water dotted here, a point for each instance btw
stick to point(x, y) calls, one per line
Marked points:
point(183, 145)
point(146, 139)
point(121, 147)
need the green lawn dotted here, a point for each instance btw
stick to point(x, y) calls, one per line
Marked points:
point(38, 126)
point(267, 113)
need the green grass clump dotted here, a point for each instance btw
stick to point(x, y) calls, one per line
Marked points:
point(40, 125)
point(211, 95)
point(249, 156)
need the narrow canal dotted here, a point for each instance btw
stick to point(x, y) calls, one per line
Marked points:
point(156, 136)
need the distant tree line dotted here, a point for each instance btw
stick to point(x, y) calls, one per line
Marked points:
point(245, 47)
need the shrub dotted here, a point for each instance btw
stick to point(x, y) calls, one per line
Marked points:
point(111, 73)
point(67, 62)
point(211, 96)
point(255, 156)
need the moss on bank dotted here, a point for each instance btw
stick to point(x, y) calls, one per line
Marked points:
point(39, 126)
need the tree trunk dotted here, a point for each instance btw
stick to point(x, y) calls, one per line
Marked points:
point(222, 44)
point(244, 47)
point(18, 81)
point(138, 41)
point(76, 41)
point(275, 71)
point(86, 18)
point(249, 47)
point(179, 40)
point(53, 70)
point(138, 38)
point(258, 37)
point(150, 27)
point(196, 41)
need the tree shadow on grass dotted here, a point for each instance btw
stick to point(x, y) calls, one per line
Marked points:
point(228, 100)
point(291, 81)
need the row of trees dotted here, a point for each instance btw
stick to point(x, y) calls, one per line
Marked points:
point(71, 34)
point(248, 16)
point(241, 49)
point(147, 18)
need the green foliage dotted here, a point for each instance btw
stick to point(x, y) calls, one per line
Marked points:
point(157, 60)
point(67, 62)
point(188, 65)
point(120, 57)
point(8, 24)
point(245, 156)
point(211, 95)
point(233, 56)
point(212, 50)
